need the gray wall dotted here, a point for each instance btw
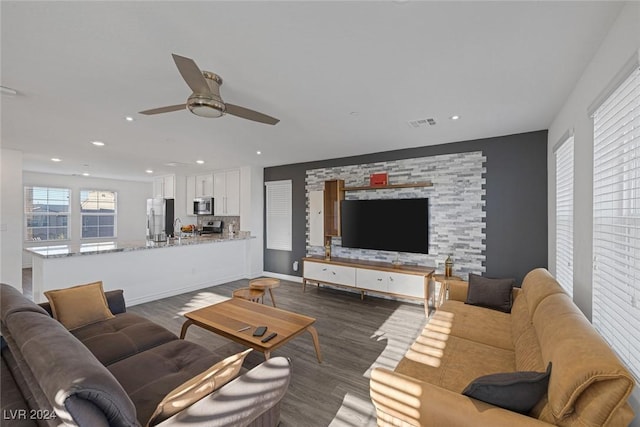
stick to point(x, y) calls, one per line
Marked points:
point(516, 200)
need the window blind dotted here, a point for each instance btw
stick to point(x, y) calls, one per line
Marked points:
point(564, 215)
point(46, 213)
point(279, 215)
point(616, 221)
point(98, 213)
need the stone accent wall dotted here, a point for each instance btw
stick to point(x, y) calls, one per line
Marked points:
point(456, 207)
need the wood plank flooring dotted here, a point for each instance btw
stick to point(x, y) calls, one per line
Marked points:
point(355, 336)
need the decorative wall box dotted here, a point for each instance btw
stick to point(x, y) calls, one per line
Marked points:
point(378, 179)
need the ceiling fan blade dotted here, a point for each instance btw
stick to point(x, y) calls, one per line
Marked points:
point(246, 113)
point(167, 109)
point(191, 74)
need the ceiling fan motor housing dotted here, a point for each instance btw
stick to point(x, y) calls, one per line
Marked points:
point(208, 104)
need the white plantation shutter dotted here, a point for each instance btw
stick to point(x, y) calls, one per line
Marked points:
point(279, 215)
point(564, 215)
point(616, 221)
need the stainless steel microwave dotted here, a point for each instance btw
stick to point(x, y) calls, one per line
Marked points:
point(203, 206)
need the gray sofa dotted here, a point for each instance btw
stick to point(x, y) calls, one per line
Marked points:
point(115, 372)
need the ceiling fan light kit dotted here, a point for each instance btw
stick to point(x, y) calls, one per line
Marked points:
point(205, 106)
point(205, 101)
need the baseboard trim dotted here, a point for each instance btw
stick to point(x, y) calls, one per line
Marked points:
point(296, 279)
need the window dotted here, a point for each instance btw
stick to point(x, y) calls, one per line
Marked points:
point(98, 213)
point(616, 220)
point(279, 215)
point(564, 214)
point(46, 212)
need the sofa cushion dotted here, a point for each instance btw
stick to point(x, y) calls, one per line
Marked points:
point(590, 383)
point(79, 305)
point(490, 293)
point(12, 401)
point(124, 335)
point(451, 362)
point(191, 391)
point(115, 301)
point(150, 375)
point(461, 320)
point(523, 334)
point(516, 391)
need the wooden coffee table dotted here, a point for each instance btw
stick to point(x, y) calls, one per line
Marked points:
point(230, 318)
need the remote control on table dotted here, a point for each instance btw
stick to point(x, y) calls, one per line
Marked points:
point(269, 337)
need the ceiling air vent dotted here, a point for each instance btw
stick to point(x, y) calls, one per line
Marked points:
point(422, 122)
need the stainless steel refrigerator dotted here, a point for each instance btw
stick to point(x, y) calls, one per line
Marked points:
point(159, 219)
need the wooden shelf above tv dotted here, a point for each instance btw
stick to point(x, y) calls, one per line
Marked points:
point(382, 187)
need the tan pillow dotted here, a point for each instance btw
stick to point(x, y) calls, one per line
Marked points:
point(79, 305)
point(198, 387)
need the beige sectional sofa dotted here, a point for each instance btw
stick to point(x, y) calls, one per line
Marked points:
point(588, 385)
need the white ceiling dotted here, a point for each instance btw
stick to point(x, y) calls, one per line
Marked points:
point(343, 77)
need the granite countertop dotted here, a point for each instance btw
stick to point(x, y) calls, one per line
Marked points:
point(61, 251)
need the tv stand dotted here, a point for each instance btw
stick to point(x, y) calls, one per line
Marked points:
point(403, 281)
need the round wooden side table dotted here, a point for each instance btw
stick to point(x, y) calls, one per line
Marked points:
point(254, 295)
point(444, 286)
point(263, 283)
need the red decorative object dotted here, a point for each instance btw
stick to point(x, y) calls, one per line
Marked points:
point(378, 179)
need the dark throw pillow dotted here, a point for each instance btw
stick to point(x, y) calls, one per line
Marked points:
point(515, 391)
point(490, 293)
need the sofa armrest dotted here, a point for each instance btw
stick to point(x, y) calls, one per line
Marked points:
point(402, 399)
point(241, 401)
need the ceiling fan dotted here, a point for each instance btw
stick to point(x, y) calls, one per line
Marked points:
point(205, 100)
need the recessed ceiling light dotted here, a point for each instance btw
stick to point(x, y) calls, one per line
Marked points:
point(85, 174)
point(454, 117)
point(149, 171)
point(98, 143)
point(258, 152)
point(55, 159)
point(129, 118)
point(200, 162)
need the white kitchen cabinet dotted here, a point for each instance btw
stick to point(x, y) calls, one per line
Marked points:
point(198, 186)
point(226, 192)
point(164, 187)
point(204, 185)
point(191, 194)
point(316, 218)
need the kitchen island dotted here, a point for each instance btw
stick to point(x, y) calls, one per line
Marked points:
point(145, 270)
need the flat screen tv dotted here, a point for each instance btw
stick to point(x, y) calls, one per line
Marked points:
point(400, 225)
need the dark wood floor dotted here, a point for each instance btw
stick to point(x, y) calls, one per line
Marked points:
point(355, 336)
